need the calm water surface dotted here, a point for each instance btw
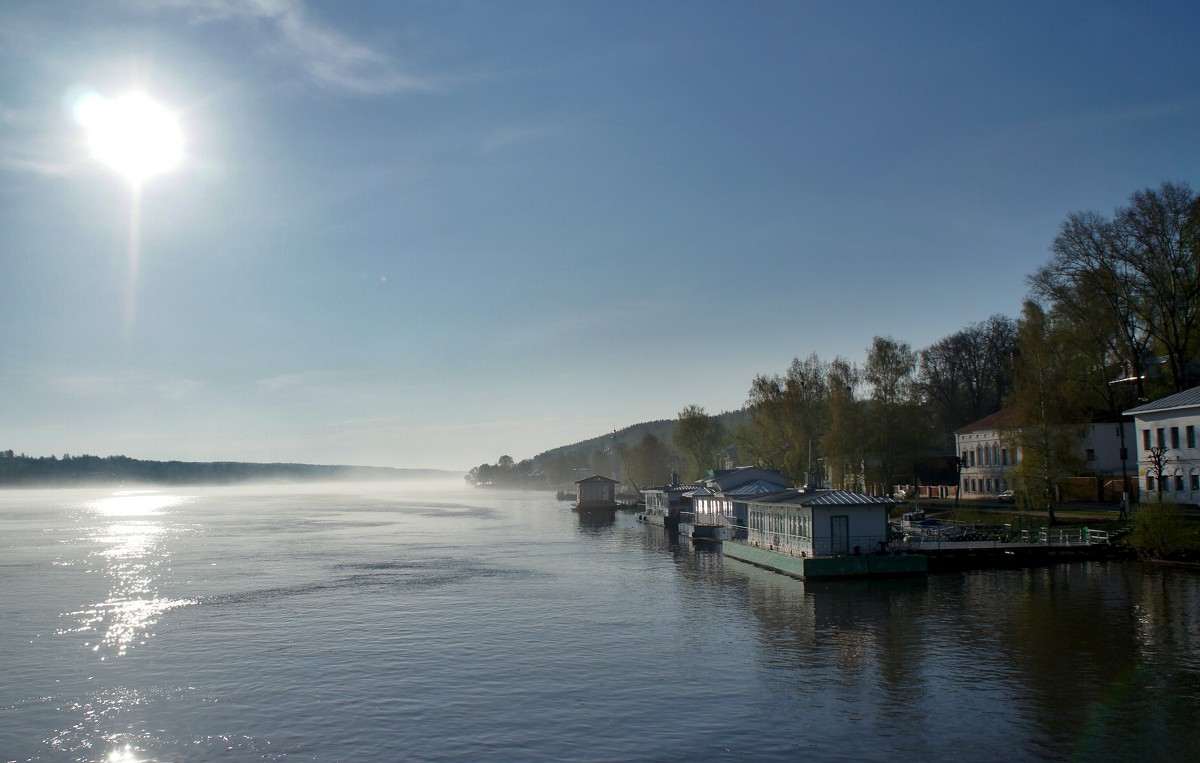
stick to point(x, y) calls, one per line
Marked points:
point(398, 622)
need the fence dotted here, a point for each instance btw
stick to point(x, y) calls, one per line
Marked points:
point(968, 536)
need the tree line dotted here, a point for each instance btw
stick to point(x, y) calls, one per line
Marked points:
point(23, 470)
point(1111, 319)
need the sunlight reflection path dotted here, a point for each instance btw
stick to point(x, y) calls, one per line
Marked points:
point(132, 555)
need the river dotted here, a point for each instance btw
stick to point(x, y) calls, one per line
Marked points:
point(437, 623)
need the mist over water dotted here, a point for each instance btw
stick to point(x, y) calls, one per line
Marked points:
point(432, 622)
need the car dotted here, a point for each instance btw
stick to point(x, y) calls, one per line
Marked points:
point(1006, 496)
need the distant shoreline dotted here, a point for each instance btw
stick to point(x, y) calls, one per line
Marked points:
point(20, 470)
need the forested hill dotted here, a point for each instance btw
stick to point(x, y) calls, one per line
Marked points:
point(663, 429)
point(23, 470)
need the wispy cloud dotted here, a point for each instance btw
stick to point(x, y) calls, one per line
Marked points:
point(127, 385)
point(327, 55)
point(305, 381)
point(511, 135)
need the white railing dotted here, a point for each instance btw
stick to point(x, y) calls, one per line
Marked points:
point(1079, 536)
point(966, 538)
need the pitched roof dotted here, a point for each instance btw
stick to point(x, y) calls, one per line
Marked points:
point(1189, 398)
point(596, 478)
point(824, 498)
point(998, 420)
point(757, 487)
point(725, 480)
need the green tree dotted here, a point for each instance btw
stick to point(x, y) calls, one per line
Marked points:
point(700, 436)
point(893, 424)
point(1047, 421)
point(842, 443)
point(788, 417)
point(649, 462)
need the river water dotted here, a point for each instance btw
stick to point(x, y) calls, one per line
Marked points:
point(429, 623)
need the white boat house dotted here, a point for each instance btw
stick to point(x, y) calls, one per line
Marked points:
point(808, 523)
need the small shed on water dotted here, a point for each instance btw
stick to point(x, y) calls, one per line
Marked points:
point(596, 492)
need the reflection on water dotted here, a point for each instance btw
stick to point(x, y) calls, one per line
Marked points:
point(133, 552)
point(326, 628)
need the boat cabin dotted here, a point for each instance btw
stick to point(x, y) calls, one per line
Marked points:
point(817, 523)
point(596, 492)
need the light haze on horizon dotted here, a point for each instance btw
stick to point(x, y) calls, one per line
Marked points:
point(430, 234)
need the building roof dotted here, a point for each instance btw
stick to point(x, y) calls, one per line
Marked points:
point(1189, 398)
point(998, 420)
point(756, 487)
point(676, 488)
point(596, 478)
point(824, 498)
point(726, 480)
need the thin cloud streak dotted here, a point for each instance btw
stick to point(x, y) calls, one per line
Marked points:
point(127, 385)
point(327, 55)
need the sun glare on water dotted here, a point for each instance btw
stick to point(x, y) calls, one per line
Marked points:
point(133, 134)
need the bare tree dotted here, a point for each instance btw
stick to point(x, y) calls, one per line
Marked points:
point(1134, 276)
point(1158, 466)
point(966, 376)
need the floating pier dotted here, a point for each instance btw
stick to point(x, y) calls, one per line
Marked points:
point(828, 567)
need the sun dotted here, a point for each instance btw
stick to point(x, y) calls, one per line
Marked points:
point(133, 134)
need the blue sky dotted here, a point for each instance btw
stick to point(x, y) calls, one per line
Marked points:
point(427, 234)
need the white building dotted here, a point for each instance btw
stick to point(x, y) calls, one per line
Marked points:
point(1169, 426)
point(988, 456)
point(985, 456)
point(807, 523)
point(722, 498)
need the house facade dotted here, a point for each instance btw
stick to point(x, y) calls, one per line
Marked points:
point(818, 522)
point(596, 492)
point(1167, 434)
point(665, 503)
point(723, 497)
point(986, 458)
point(988, 455)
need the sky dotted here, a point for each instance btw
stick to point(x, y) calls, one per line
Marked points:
point(428, 234)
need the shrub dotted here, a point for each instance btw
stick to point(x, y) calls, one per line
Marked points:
point(1159, 530)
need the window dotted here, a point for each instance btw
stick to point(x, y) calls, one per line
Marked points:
point(1149, 483)
point(1162, 440)
point(1145, 439)
point(1179, 483)
point(1004, 456)
point(971, 453)
point(996, 454)
point(1191, 436)
point(1195, 483)
point(1091, 454)
point(1175, 438)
